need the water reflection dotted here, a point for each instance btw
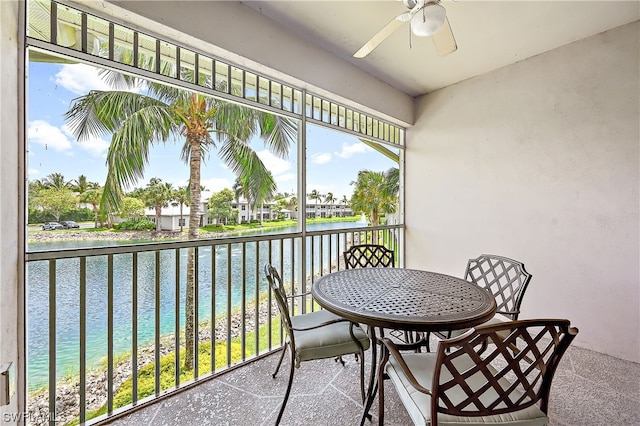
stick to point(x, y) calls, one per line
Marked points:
point(248, 258)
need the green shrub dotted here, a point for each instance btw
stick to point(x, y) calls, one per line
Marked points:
point(136, 225)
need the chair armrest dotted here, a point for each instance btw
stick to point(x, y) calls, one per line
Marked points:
point(442, 334)
point(509, 313)
point(306, 293)
point(395, 351)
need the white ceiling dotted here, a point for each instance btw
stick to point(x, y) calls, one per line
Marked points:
point(490, 34)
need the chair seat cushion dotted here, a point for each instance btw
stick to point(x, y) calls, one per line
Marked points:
point(497, 319)
point(325, 342)
point(418, 404)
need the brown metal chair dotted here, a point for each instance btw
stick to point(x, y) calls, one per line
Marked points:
point(368, 256)
point(505, 278)
point(507, 382)
point(314, 335)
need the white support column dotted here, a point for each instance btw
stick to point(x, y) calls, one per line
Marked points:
point(12, 224)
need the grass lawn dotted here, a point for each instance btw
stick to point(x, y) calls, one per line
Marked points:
point(146, 375)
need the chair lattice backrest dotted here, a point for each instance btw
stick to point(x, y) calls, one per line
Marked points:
point(505, 278)
point(369, 256)
point(511, 374)
point(280, 295)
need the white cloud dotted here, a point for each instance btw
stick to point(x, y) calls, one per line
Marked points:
point(33, 172)
point(321, 158)
point(47, 135)
point(216, 184)
point(277, 166)
point(321, 188)
point(348, 150)
point(96, 147)
point(81, 78)
point(286, 177)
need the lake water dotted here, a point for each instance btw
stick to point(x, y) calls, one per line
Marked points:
point(68, 296)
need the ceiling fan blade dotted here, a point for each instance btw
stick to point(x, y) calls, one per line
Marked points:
point(385, 32)
point(444, 41)
point(405, 17)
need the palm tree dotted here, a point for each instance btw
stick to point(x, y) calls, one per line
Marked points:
point(34, 188)
point(315, 195)
point(293, 203)
point(138, 121)
point(158, 195)
point(372, 196)
point(82, 185)
point(181, 198)
point(55, 180)
point(392, 181)
point(330, 199)
point(345, 203)
point(93, 197)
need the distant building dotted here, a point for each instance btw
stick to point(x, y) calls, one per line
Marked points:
point(170, 219)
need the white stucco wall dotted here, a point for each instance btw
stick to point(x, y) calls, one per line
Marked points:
point(10, 222)
point(539, 161)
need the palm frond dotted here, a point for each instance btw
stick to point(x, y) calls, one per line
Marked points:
point(166, 93)
point(128, 153)
point(237, 121)
point(101, 112)
point(118, 80)
point(237, 156)
point(256, 178)
point(279, 133)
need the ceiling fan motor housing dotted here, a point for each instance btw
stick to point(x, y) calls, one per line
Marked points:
point(428, 20)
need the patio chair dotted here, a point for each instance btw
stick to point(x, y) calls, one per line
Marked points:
point(505, 278)
point(368, 256)
point(314, 335)
point(462, 383)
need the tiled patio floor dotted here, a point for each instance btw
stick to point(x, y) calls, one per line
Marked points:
point(589, 389)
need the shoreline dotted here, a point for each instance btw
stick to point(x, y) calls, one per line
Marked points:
point(40, 236)
point(67, 398)
point(47, 236)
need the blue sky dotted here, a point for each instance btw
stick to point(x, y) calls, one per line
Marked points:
point(333, 158)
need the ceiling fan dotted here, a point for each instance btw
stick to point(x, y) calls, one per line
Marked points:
point(427, 18)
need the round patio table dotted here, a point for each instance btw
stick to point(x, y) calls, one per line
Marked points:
point(402, 299)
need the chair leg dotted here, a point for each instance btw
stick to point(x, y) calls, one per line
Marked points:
point(284, 349)
point(286, 394)
point(381, 377)
point(361, 374)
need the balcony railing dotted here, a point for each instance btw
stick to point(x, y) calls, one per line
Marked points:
point(105, 324)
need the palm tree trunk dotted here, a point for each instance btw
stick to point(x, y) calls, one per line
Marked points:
point(189, 327)
point(375, 218)
point(261, 208)
point(181, 226)
point(158, 216)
